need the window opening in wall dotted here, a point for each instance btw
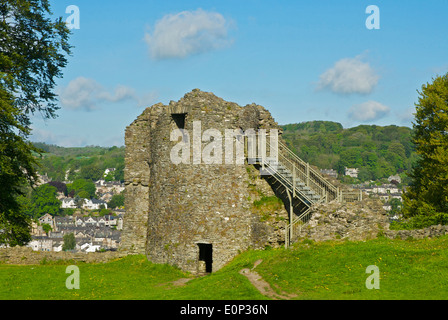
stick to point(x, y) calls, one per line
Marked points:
point(179, 119)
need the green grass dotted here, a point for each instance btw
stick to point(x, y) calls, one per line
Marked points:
point(408, 269)
point(415, 269)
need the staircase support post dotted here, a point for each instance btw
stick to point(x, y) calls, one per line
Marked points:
point(294, 181)
point(262, 147)
point(291, 212)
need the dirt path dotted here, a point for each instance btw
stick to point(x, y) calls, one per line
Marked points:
point(261, 285)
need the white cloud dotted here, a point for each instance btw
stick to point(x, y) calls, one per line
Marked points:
point(368, 111)
point(80, 92)
point(349, 75)
point(189, 32)
point(120, 93)
point(84, 93)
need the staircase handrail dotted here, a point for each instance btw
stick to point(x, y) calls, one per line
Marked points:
point(301, 176)
point(286, 182)
point(313, 174)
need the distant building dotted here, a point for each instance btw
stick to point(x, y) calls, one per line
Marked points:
point(41, 244)
point(68, 203)
point(107, 171)
point(91, 233)
point(94, 204)
point(396, 178)
point(41, 179)
point(352, 172)
point(47, 219)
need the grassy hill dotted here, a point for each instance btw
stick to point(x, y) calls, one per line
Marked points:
point(409, 269)
point(377, 151)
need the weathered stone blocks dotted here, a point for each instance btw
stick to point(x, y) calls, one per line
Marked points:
point(174, 211)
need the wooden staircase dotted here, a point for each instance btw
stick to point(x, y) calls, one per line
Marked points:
point(303, 185)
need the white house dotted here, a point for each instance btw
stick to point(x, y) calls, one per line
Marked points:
point(68, 203)
point(41, 244)
point(384, 189)
point(57, 247)
point(89, 247)
point(93, 248)
point(94, 204)
point(352, 172)
point(107, 171)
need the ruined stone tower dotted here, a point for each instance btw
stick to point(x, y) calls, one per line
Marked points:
point(193, 214)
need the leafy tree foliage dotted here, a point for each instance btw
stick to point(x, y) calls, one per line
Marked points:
point(16, 170)
point(47, 228)
point(33, 51)
point(428, 192)
point(116, 201)
point(60, 186)
point(33, 54)
point(69, 242)
point(82, 188)
point(92, 171)
point(44, 200)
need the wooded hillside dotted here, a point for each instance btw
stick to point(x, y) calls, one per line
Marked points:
point(377, 151)
point(81, 163)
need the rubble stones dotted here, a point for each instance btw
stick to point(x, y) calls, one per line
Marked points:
point(358, 221)
point(26, 256)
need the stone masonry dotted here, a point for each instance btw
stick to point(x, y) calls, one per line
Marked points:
point(196, 216)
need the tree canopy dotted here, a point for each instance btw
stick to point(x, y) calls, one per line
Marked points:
point(33, 51)
point(377, 151)
point(33, 54)
point(69, 242)
point(83, 188)
point(428, 192)
point(44, 200)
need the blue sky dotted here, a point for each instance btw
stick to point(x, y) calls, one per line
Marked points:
point(302, 60)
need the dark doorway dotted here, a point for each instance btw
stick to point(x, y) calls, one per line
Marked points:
point(179, 119)
point(206, 255)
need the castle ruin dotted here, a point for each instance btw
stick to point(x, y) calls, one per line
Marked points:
point(199, 215)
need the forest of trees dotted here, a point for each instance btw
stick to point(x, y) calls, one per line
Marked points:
point(377, 151)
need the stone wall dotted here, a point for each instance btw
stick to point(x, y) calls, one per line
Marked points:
point(358, 221)
point(429, 232)
point(137, 185)
point(352, 221)
point(26, 256)
point(172, 210)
